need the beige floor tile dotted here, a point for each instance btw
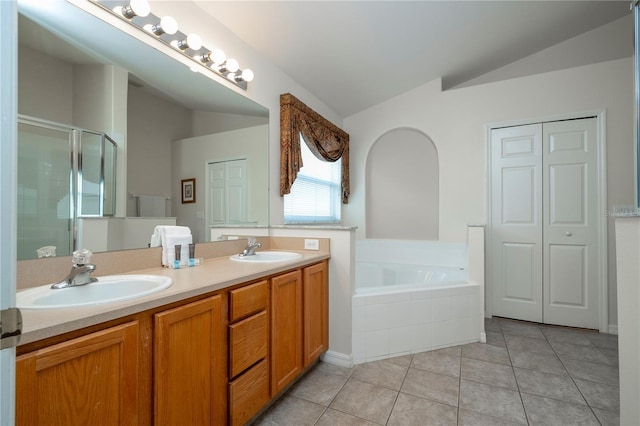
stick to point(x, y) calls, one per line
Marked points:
point(599, 395)
point(333, 417)
point(502, 403)
point(528, 344)
point(558, 334)
point(437, 362)
point(607, 418)
point(486, 352)
point(555, 386)
point(593, 372)
point(381, 373)
point(553, 412)
point(404, 360)
point(495, 339)
point(603, 340)
point(291, 411)
point(334, 369)
point(521, 329)
point(488, 373)
point(546, 363)
point(580, 352)
point(434, 386)
point(370, 402)
point(612, 355)
point(413, 410)
point(318, 387)
point(471, 418)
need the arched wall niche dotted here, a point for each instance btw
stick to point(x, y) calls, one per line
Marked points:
point(402, 186)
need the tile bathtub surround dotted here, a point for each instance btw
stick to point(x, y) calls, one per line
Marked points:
point(526, 374)
point(394, 324)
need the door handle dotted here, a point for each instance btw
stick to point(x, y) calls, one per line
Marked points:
point(568, 234)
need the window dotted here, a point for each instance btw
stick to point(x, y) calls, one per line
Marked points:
point(315, 194)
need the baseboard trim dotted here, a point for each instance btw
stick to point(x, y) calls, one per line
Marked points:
point(483, 337)
point(337, 358)
point(613, 329)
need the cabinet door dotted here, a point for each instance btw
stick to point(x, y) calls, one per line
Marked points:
point(286, 329)
point(315, 311)
point(190, 364)
point(90, 380)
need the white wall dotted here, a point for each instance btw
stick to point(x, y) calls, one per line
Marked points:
point(205, 122)
point(153, 123)
point(189, 158)
point(45, 86)
point(456, 122)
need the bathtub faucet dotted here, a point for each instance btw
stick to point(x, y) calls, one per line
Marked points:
point(251, 247)
point(80, 271)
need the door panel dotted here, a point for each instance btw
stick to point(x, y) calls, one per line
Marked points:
point(567, 194)
point(571, 266)
point(516, 249)
point(544, 253)
point(567, 284)
point(518, 273)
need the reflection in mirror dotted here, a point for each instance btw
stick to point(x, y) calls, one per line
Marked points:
point(168, 122)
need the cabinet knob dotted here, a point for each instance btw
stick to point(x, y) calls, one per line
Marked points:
point(568, 234)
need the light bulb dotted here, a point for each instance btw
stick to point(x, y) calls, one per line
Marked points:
point(167, 25)
point(230, 65)
point(136, 8)
point(192, 41)
point(218, 56)
point(247, 75)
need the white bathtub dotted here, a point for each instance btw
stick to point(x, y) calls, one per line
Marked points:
point(383, 277)
point(413, 296)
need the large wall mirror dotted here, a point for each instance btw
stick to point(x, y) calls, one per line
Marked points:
point(169, 123)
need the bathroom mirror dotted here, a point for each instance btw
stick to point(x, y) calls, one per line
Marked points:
point(169, 122)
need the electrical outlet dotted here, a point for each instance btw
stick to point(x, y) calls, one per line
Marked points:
point(311, 244)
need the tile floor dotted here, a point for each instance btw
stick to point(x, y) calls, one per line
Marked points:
point(525, 374)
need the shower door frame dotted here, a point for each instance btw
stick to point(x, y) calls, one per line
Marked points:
point(75, 170)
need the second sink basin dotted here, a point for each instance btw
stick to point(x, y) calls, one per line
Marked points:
point(267, 257)
point(107, 289)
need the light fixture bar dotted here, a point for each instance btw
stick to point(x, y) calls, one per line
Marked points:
point(138, 14)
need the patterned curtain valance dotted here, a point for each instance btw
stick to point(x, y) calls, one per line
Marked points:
point(327, 142)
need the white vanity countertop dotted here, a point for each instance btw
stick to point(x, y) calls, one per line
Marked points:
point(214, 274)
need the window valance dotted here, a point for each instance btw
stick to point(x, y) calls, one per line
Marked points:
point(327, 142)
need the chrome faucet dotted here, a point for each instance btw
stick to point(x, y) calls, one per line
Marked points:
point(80, 271)
point(251, 247)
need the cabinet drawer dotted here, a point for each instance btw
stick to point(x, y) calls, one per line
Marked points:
point(249, 393)
point(248, 300)
point(247, 343)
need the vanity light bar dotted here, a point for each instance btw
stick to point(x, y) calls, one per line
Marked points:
point(165, 29)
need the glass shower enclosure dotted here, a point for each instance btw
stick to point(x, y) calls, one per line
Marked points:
point(63, 173)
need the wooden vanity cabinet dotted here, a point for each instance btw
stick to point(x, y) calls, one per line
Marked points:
point(286, 329)
point(213, 361)
point(248, 351)
point(315, 296)
point(190, 364)
point(299, 322)
point(88, 380)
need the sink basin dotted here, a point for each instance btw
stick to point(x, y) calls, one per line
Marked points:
point(107, 289)
point(267, 257)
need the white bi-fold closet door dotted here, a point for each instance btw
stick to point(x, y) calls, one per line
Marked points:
point(545, 265)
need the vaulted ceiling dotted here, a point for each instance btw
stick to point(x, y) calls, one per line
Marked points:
point(355, 54)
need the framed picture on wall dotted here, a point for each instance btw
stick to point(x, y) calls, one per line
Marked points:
point(188, 190)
